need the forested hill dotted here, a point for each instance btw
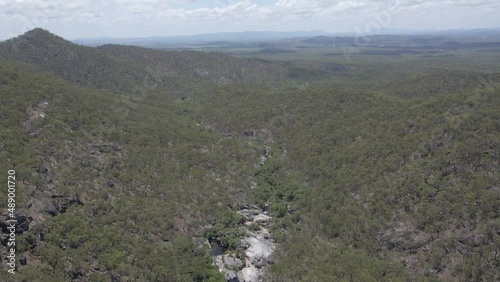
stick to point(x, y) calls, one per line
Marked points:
point(78, 64)
point(122, 67)
point(128, 160)
point(215, 67)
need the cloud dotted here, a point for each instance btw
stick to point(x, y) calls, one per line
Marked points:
point(218, 10)
point(234, 14)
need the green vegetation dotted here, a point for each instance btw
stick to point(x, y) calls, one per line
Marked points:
point(128, 159)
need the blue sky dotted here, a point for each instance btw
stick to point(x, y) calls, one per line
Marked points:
point(140, 18)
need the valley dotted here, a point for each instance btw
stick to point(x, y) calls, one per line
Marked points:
point(290, 161)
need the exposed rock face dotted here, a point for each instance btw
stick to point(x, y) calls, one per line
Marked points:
point(258, 246)
point(404, 237)
point(259, 255)
point(35, 112)
point(233, 262)
point(22, 224)
point(230, 266)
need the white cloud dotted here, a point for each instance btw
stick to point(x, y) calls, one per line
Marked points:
point(223, 15)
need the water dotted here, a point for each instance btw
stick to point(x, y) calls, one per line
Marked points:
point(217, 248)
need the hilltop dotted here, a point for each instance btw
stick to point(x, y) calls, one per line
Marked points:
point(78, 64)
point(125, 67)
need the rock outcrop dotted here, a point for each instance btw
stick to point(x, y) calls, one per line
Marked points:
point(258, 245)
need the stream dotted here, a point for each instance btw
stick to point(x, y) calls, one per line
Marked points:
point(257, 243)
point(258, 246)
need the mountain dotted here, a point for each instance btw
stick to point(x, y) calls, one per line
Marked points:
point(247, 36)
point(252, 37)
point(79, 64)
point(124, 67)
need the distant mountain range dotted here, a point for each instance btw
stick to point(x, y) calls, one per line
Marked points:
point(201, 38)
point(225, 38)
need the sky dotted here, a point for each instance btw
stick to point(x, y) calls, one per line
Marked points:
point(74, 19)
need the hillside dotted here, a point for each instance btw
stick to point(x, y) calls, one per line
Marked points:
point(410, 181)
point(192, 65)
point(132, 162)
point(78, 64)
point(125, 68)
point(95, 166)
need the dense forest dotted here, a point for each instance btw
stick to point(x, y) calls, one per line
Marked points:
point(128, 160)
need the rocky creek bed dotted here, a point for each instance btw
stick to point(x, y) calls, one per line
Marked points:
point(258, 246)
